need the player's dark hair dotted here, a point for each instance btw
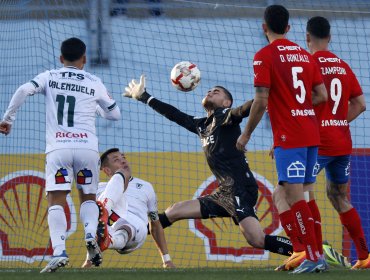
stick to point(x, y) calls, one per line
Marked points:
point(73, 49)
point(228, 94)
point(104, 157)
point(318, 27)
point(276, 18)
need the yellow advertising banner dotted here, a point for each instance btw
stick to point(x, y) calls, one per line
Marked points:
point(24, 235)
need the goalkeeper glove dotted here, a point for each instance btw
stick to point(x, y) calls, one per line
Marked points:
point(137, 90)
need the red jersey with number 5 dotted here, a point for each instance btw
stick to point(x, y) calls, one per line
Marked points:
point(290, 73)
point(342, 85)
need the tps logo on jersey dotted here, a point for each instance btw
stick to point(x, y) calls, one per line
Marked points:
point(61, 177)
point(139, 186)
point(222, 239)
point(24, 234)
point(296, 170)
point(84, 177)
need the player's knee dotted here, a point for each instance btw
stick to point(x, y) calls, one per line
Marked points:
point(336, 198)
point(256, 241)
point(173, 212)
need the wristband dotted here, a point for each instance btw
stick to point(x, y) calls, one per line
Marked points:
point(144, 97)
point(166, 258)
point(150, 98)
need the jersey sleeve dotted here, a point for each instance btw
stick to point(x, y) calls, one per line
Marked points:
point(105, 100)
point(173, 114)
point(40, 82)
point(355, 87)
point(152, 200)
point(262, 69)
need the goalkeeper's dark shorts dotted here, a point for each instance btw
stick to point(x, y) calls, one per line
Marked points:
point(237, 202)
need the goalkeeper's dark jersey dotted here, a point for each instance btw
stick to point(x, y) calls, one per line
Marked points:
point(218, 133)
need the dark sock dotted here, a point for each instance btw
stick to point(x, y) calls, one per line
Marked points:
point(278, 244)
point(164, 220)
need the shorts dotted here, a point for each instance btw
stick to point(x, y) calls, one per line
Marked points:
point(296, 165)
point(337, 168)
point(139, 232)
point(237, 201)
point(65, 165)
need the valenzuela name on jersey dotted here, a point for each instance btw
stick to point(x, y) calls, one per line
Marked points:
point(71, 87)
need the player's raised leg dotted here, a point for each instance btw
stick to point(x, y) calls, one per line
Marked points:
point(189, 209)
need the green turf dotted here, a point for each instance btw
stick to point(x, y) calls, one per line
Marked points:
point(179, 274)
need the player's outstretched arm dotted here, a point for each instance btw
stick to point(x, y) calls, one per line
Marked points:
point(356, 106)
point(17, 100)
point(157, 233)
point(137, 91)
point(257, 110)
point(243, 110)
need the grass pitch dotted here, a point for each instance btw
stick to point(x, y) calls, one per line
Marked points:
point(179, 274)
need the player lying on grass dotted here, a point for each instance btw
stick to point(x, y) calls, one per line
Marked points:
point(237, 194)
point(128, 209)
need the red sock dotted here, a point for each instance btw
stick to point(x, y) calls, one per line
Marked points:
point(287, 222)
point(317, 219)
point(351, 220)
point(305, 227)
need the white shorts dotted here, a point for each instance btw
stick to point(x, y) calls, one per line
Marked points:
point(138, 229)
point(65, 165)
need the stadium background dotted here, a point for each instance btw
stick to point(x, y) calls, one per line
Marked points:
point(125, 39)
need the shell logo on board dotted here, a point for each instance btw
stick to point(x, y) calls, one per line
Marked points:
point(24, 232)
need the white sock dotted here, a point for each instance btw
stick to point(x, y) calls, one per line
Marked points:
point(113, 192)
point(119, 240)
point(89, 215)
point(57, 227)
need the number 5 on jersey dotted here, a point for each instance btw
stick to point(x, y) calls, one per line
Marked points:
point(298, 84)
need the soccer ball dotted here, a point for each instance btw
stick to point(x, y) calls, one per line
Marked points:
point(185, 76)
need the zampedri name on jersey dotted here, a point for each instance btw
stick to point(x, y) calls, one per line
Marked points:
point(71, 87)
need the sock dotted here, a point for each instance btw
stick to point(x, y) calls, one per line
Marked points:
point(317, 226)
point(119, 239)
point(113, 192)
point(57, 227)
point(305, 226)
point(278, 244)
point(352, 221)
point(89, 215)
point(287, 222)
point(164, 220)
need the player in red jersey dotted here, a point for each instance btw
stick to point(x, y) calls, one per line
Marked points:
point(345, 103)
point(288, 80)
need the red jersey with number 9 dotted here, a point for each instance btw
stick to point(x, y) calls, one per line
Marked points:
point(342, 85)
point(290, 73)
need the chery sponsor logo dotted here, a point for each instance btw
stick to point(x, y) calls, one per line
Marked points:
point(215, 245)
point(24, 232)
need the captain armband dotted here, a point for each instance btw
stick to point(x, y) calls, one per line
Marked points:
point(153, 216)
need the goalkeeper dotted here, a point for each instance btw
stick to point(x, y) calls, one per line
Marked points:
point(128, 202)
point(238, 192)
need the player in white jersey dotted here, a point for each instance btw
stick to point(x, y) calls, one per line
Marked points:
point(73, 99)
point(130, 209)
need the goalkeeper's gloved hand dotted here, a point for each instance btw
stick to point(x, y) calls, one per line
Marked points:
point(137, 90)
